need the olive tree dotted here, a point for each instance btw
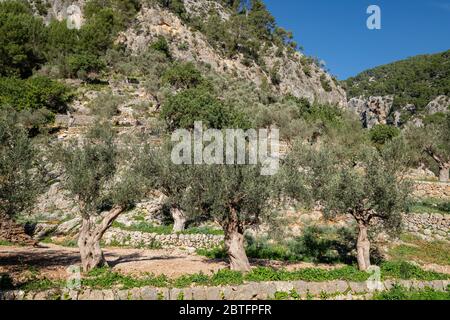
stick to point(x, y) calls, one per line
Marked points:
point(20, 178)
point(159, 173)
point(102, 186)
point(433, 140)
point(235, 196)
point(367, 186)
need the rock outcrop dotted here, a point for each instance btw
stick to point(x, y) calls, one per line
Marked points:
point(152, 22)
point(72, 10)
point(439, 105)
point(372, 110)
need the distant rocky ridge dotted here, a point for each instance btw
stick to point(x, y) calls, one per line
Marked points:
point(403, 91)
point(379, 110)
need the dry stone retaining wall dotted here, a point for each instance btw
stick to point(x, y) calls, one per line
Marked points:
point(432, 190)
point(428, 226)
point(337, 290)
point(141, 239)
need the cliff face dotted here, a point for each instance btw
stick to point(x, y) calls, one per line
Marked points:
point(373, 110)
point(291, 73)
point(296, 75)
point(59, 9)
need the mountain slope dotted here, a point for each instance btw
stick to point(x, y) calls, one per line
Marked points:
point(243, 43)
point(417, 80)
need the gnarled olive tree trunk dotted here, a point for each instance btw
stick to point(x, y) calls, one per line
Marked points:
point(363, 247)
point(444, 166)
point(234, 244)
point(89, 239)
point(444, 172)
point(179, 219)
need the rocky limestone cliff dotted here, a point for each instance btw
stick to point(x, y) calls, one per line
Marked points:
point(440, 104)
point(295, 76)
point(373, 110)
point(377, 110)
point(60, 10)
point(293, 79)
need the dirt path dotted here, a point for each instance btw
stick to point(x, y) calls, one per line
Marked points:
point(52, 261)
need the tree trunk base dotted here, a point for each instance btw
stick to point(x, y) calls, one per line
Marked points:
point(363, 248)
point(179, 219)
point(234, 243)
point(444, 174)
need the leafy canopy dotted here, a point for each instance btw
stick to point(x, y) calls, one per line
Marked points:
point(20, 179)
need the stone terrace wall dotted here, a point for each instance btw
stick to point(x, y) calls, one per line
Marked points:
point(339, 290)
point(137, 239)
point(428, 226)
point(432, 190)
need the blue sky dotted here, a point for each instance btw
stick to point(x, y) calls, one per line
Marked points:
point(336, 32)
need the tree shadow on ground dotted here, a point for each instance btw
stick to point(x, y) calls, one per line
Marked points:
point(135, 257)
point(47, 258)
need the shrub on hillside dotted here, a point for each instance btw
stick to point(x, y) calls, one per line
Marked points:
point(381, 134)
point(22, 36)
point(162, 46)
point(198, 104)
point(183, 76)
point(80, 65)
point(34, 93)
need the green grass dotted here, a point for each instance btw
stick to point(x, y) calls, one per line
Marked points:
point(407, 271)
point(5, 243)
point(348, 273)
point(430, 206)
point(318, 245)
point(415, 249)
point(105, 278)
point(204, 230)
point(400, 293)
point(144, 228)
point(68, 243)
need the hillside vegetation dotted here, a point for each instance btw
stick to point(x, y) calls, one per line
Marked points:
point(416, 80)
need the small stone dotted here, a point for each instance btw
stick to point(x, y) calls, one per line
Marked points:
point(134, 294)
point(149, 294)
point(438, 285)
point(341, 286)
point(96, 295)
point(248, 291)
point(122, 295)
point(213, 294)
point(267, 290)
point(198, 293)
point(407, 284)
point(284, 286)
point(315, 288)
point(358, 287)
point(108, 295)
point(228, 293)
point(40, 296)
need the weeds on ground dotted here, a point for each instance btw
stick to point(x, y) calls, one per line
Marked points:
point(401, 293)
point(105, 278)
point(415, 249)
